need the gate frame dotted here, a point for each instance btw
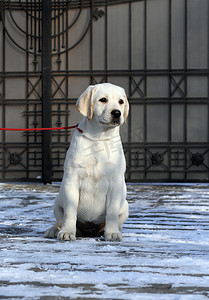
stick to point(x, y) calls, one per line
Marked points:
point(143, 156)
point(46, 92)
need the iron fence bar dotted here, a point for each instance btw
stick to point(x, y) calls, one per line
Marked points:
point(106, 40)
point(27, 98)
point(46, 91)
point(169, 80)
point(66, 67)
point(134, 145)
point(208, 76)
point(145, 82)
point(130, 84)
point(91, 43)
point(185, 67)
point(3, 101)
point(136, 101)
point(139, 72)
point(19, 5)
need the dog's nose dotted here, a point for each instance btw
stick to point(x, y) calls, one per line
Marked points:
point(116, 113)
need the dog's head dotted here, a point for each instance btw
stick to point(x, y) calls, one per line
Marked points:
point(105, 102)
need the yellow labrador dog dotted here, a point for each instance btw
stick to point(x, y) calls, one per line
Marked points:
point(92, 198)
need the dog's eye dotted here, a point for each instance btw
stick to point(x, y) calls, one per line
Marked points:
point(103, 100)
point(121, 101)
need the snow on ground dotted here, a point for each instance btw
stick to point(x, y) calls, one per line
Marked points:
point(164, 253)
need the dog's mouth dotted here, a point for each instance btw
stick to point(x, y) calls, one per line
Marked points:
point(112, 123)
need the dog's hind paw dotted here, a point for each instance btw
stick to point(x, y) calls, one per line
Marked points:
point(52, 232)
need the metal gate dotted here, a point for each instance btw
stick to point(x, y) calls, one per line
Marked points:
point(158, 50)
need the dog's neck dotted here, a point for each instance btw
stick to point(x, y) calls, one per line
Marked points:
point(94, 131)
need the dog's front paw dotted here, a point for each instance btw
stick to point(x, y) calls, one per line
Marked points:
point(51, 232)
point(115, 236)
point(66, 236)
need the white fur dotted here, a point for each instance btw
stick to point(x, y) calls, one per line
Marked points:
point(93, 187)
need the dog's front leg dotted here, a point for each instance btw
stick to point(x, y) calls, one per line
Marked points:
point(112, 231)
point(70, 198)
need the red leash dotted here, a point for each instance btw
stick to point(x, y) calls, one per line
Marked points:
point(40, 129)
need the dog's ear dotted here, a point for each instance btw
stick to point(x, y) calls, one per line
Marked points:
point(85, 103)
point(126, 109)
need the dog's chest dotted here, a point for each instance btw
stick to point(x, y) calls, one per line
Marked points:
point(102, 158)
point(104, 150)
point(100, 164)
point(95, 159)
point(92, 200)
